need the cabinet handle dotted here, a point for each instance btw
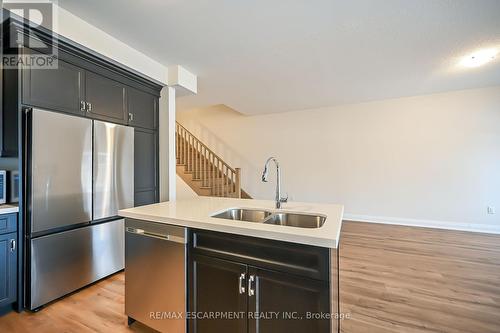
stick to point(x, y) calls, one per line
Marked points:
point(89, 107)
point(82, 106)
point(12, 245)
point(241, 286)
point(130, 117)
point(251, 290)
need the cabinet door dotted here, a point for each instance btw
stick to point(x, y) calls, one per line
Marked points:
point(142, 109)
point(143, 198)
point(107, 98)
point(145, 166)
point(58, 89)
point(287, 300)
point(215, 289)
point(8, 269)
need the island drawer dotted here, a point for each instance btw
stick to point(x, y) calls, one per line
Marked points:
point(298, 259)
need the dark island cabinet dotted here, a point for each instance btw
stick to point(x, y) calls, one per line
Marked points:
point(60, 89)
point(8, 259)
point(253, 281)
point(292, 304)
point(218, 287)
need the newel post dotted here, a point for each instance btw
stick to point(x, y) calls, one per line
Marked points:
point(238, 182)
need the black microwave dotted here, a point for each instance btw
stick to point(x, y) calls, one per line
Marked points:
point(14, 186)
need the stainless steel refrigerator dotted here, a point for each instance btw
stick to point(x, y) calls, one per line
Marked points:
point(79, 172)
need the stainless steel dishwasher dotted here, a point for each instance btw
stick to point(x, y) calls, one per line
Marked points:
point(155, 275)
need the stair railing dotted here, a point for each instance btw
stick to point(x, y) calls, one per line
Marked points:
point(205, 165)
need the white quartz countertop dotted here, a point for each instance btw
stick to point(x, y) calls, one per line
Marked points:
point(7, 209)
point(196, 213)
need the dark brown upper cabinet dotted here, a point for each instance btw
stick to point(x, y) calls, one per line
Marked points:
point(142, 109)
point(99, 94)
point(105, 99)
point(60, 89)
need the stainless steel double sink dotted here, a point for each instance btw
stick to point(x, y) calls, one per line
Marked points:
point(291, 219)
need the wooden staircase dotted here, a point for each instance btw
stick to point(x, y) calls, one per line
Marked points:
point(205, 172)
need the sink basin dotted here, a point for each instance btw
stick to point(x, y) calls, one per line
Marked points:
point(297, 220)
point(241, 214)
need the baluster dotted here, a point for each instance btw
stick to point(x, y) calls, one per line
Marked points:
point(198, 153)
point(195, 166)
point(179, 145)
point(212, 168)
point(184, 148)
point(223, 180)
point(204, 172)
point(226, 183)
point(188, 153)
point(185, 151)
point(216, 176)
point(219, 187)
point(195, 152)
point(206, 166)
point(192, 153)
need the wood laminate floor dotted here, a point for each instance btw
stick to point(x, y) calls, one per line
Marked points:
point(97, 308)
point(392, 279)
point(406, 279)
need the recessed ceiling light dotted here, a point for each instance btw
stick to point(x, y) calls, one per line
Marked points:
point(479, 58)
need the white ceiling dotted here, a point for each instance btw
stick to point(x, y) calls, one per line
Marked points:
point(265, 56)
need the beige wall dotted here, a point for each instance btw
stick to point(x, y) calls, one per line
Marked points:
point(429, 160)
point(183, 191)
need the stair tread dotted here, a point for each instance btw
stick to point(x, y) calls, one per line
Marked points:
point(206, 175)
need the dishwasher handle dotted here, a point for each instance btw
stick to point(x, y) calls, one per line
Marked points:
point(165, 237)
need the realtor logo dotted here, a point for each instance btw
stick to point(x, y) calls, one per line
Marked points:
point(22, 48)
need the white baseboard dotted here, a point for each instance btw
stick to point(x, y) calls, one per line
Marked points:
point(449, 225)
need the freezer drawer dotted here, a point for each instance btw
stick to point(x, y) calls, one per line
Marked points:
point(66, 261)
point(113, 169)
point(61, 170)
point(155, 274)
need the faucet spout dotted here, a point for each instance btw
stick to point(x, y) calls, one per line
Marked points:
point(265, 175)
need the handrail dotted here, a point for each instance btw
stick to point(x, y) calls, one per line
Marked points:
point(205, 146)
point(206, 166)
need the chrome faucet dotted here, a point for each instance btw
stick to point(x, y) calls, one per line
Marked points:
point(265, 175)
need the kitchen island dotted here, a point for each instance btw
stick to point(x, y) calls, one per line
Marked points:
point(225, 274)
